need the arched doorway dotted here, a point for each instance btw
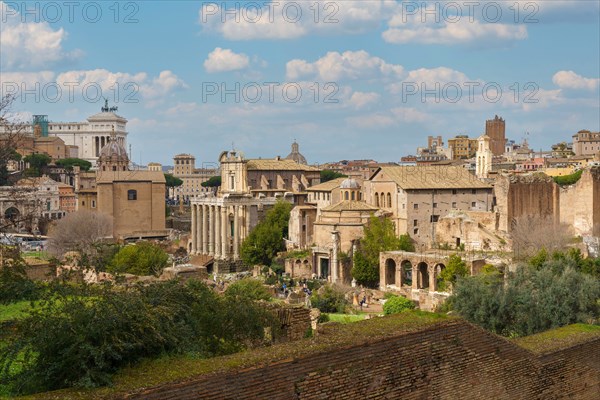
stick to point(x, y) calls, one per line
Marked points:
point(439, 284)
point(12, 214)
point(407, 277)
point(390, 272)
point(423, 278)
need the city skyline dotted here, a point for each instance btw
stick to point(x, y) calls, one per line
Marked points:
point(178, 71)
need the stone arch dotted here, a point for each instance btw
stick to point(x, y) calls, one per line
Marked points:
point(422, 275)
point(406, 273)
point(376, 199)
point(390, 271)
point(12, 213)
point(437, 271)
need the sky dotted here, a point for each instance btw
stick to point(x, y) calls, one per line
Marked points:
point(345, 79)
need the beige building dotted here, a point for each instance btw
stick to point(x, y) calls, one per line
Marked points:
point(185, 169)
point(417, 197)
point(154, 166)
point(462, 147)
point(586, 143)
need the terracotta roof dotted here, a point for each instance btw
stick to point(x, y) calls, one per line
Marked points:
point(431, 177)
point(326, 186)
point(112, 176)
point(274, 164)
point(350, 205)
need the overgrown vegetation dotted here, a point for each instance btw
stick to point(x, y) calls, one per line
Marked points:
point(329, 175)
point(248, 289)
point(14, 283)
point(378, 235)
point(81, 336)
point(37, 162)
point(455, 269)
point(329, 299)
point(545, 293)
point(266, 239)
point(571, 179)
point(69, 163)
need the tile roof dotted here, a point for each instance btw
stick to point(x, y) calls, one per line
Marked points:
point(326, 186)
point(431, 177)
point(350, 205)
point(274, 164)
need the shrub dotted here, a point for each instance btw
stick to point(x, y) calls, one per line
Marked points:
point(81, 340)
point(397, 304)
point(248, 289)
point(143, 258)
point(455, 269)
point(329, 299)
point(15, 285)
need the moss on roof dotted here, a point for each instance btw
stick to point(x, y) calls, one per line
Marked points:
point(559, 338)
point(173, 369)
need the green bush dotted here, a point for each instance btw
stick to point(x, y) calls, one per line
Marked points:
point(329, 299)
point(81, 340)
point(15, 285)
point(248, 289)
point(455, 269)
point(568, 179)
point(143, 258)
point(397, 304)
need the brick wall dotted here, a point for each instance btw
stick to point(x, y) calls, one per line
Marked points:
point(447, 360)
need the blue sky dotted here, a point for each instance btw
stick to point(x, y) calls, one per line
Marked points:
point(373, 59)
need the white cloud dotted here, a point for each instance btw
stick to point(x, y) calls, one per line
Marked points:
point(30, 45)
point(221, 60)
point(287, 19)
point(571, 80)
point(409, 114)
point(360, 100)
point(461, 32)
point(348, 65)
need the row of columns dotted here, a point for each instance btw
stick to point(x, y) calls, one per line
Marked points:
point(212, 233)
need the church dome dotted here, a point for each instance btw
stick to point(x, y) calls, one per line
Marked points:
point(295, 155)
point(350, 183)
point(113, 155)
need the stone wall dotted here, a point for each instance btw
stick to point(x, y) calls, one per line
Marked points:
point(299, 267)
point(450, 359)
point(580, 204)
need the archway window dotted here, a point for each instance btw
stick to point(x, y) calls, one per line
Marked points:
point(390, 272)
point(406, 273)
point(389, 200)
point(376, 199)
point(353, 196)
point(345, 195)
point(132, 194)
point(423, 276)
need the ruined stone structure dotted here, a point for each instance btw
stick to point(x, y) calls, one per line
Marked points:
point(580, 204)
point(395, 358)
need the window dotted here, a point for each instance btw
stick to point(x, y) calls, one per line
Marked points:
point(453, 204)
point(353, 194)
point(389, 200)
point(434, 205)
point(473, 204)
point(345, 195)
point(416, 231)
point(454, 191)
point(132, 194)
point(93, 203)
point(232, 182)
point(415, 222)
point(82, 203)
point(473, 191)
point(416, 206)
point(376, 200)
point(435, 218)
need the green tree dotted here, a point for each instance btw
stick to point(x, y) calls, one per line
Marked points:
point(69, 163)
point(397, 304)
point(172, 181)
point(213, 181)
point(378, 235)
point(37, 162)
point(329, 299)
point(328, 175)
point(143, 258)
point(456, 268)
point(266, 239)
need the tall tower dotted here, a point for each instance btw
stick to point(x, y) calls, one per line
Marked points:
point(483, 157)
point(495, 129)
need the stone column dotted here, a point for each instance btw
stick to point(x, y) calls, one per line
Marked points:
point(415, 276)
point(224, 240)
point(334, 257)
point(199, 229)
point(217, 232)
point(236, 232)
point(193, 230)
point(211, 230)
point(432, 282)
point(204, 229)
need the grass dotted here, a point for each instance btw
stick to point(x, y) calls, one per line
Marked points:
point(42, 255)
point(14, 310)
point(558, 338)
point(346, 318)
